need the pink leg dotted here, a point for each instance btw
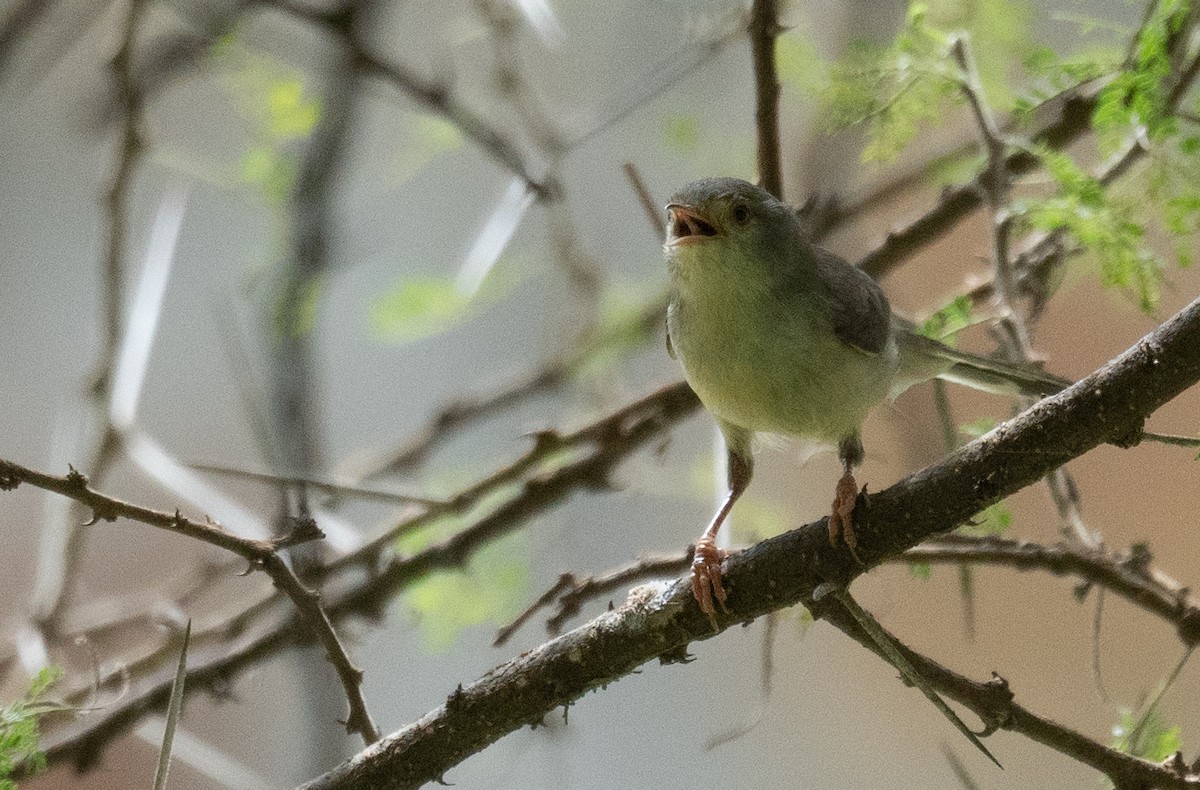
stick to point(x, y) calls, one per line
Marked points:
point(841, 521)
point(707, 581)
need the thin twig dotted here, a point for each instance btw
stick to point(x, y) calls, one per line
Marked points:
point(432, 93)
point(1130, 575)
point(571, 593)
point(997, 186)
point(652, 210)
point(263, 555)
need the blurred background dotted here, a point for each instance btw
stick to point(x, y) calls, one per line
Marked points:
point(310, 313)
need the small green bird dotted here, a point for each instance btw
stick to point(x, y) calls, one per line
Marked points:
point(776, 334)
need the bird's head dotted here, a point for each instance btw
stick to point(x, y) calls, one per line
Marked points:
point(723, 227)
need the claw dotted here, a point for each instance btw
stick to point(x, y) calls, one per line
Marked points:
point(841, 521)
point(706, 577)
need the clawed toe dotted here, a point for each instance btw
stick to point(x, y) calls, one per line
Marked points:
point(707, 580)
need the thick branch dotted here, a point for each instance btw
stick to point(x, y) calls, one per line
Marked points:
point(1108, 406)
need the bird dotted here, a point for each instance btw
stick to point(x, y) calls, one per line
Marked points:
point(778, 335)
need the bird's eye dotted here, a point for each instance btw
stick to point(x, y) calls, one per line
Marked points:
point(741, 214)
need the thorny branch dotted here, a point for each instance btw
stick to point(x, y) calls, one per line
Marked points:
point(262, 555)
point(362, 582)
point(1110, 405)
point(261, 646)
point(1130, 575)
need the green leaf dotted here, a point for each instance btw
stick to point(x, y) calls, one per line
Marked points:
point(977, 428)
point(621, 329)
point(798, 64)
point(274, 173)
point(991, 521)
point(490, 591)
point(436, 134)
point(954, 169)
point(1105, 226)
point(895, 91)
point(920, 570)
point(1000, 37)
point(419, 307)
point(1136, 98)
point(19, 735)
point(949, 320)
point(1153, 740)
point(757, 519)
point(289, 115)
point(681, 132)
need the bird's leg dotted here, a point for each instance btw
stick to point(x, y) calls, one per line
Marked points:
point(706, 563)
point(841, 521)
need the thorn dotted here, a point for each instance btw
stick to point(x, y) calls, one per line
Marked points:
point(76, 478)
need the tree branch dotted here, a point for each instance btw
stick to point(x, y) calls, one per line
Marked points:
point(1108, 406)
point(261, 629)
point(764, 27)
point(262, 555)
point(1130, 575)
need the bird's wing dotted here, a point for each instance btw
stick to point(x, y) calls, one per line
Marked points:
point(860, 312)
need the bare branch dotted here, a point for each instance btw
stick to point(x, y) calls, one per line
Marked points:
point(1130, 575)
point(261, 555)
point(1108, 406)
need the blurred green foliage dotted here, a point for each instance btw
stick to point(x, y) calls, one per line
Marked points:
point(1148, 737)
point(19, 738)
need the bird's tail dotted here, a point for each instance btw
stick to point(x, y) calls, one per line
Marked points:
point(988, 375)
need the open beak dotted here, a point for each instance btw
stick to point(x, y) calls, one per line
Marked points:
point(685, 225)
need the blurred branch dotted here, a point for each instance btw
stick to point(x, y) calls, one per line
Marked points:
point(260, 630)
point(434, 94)
point(1130, 575)
point(553, 374)
point(764, 28)
point(1108, 406)
point(611, 439)
point(262, 555)
point(502, 20)
point(290, 317)
point(57, 581)
point(653, 211)
point(22, 16)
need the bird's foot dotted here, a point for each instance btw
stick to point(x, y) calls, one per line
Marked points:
point(706, 577)
point(841, 521)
